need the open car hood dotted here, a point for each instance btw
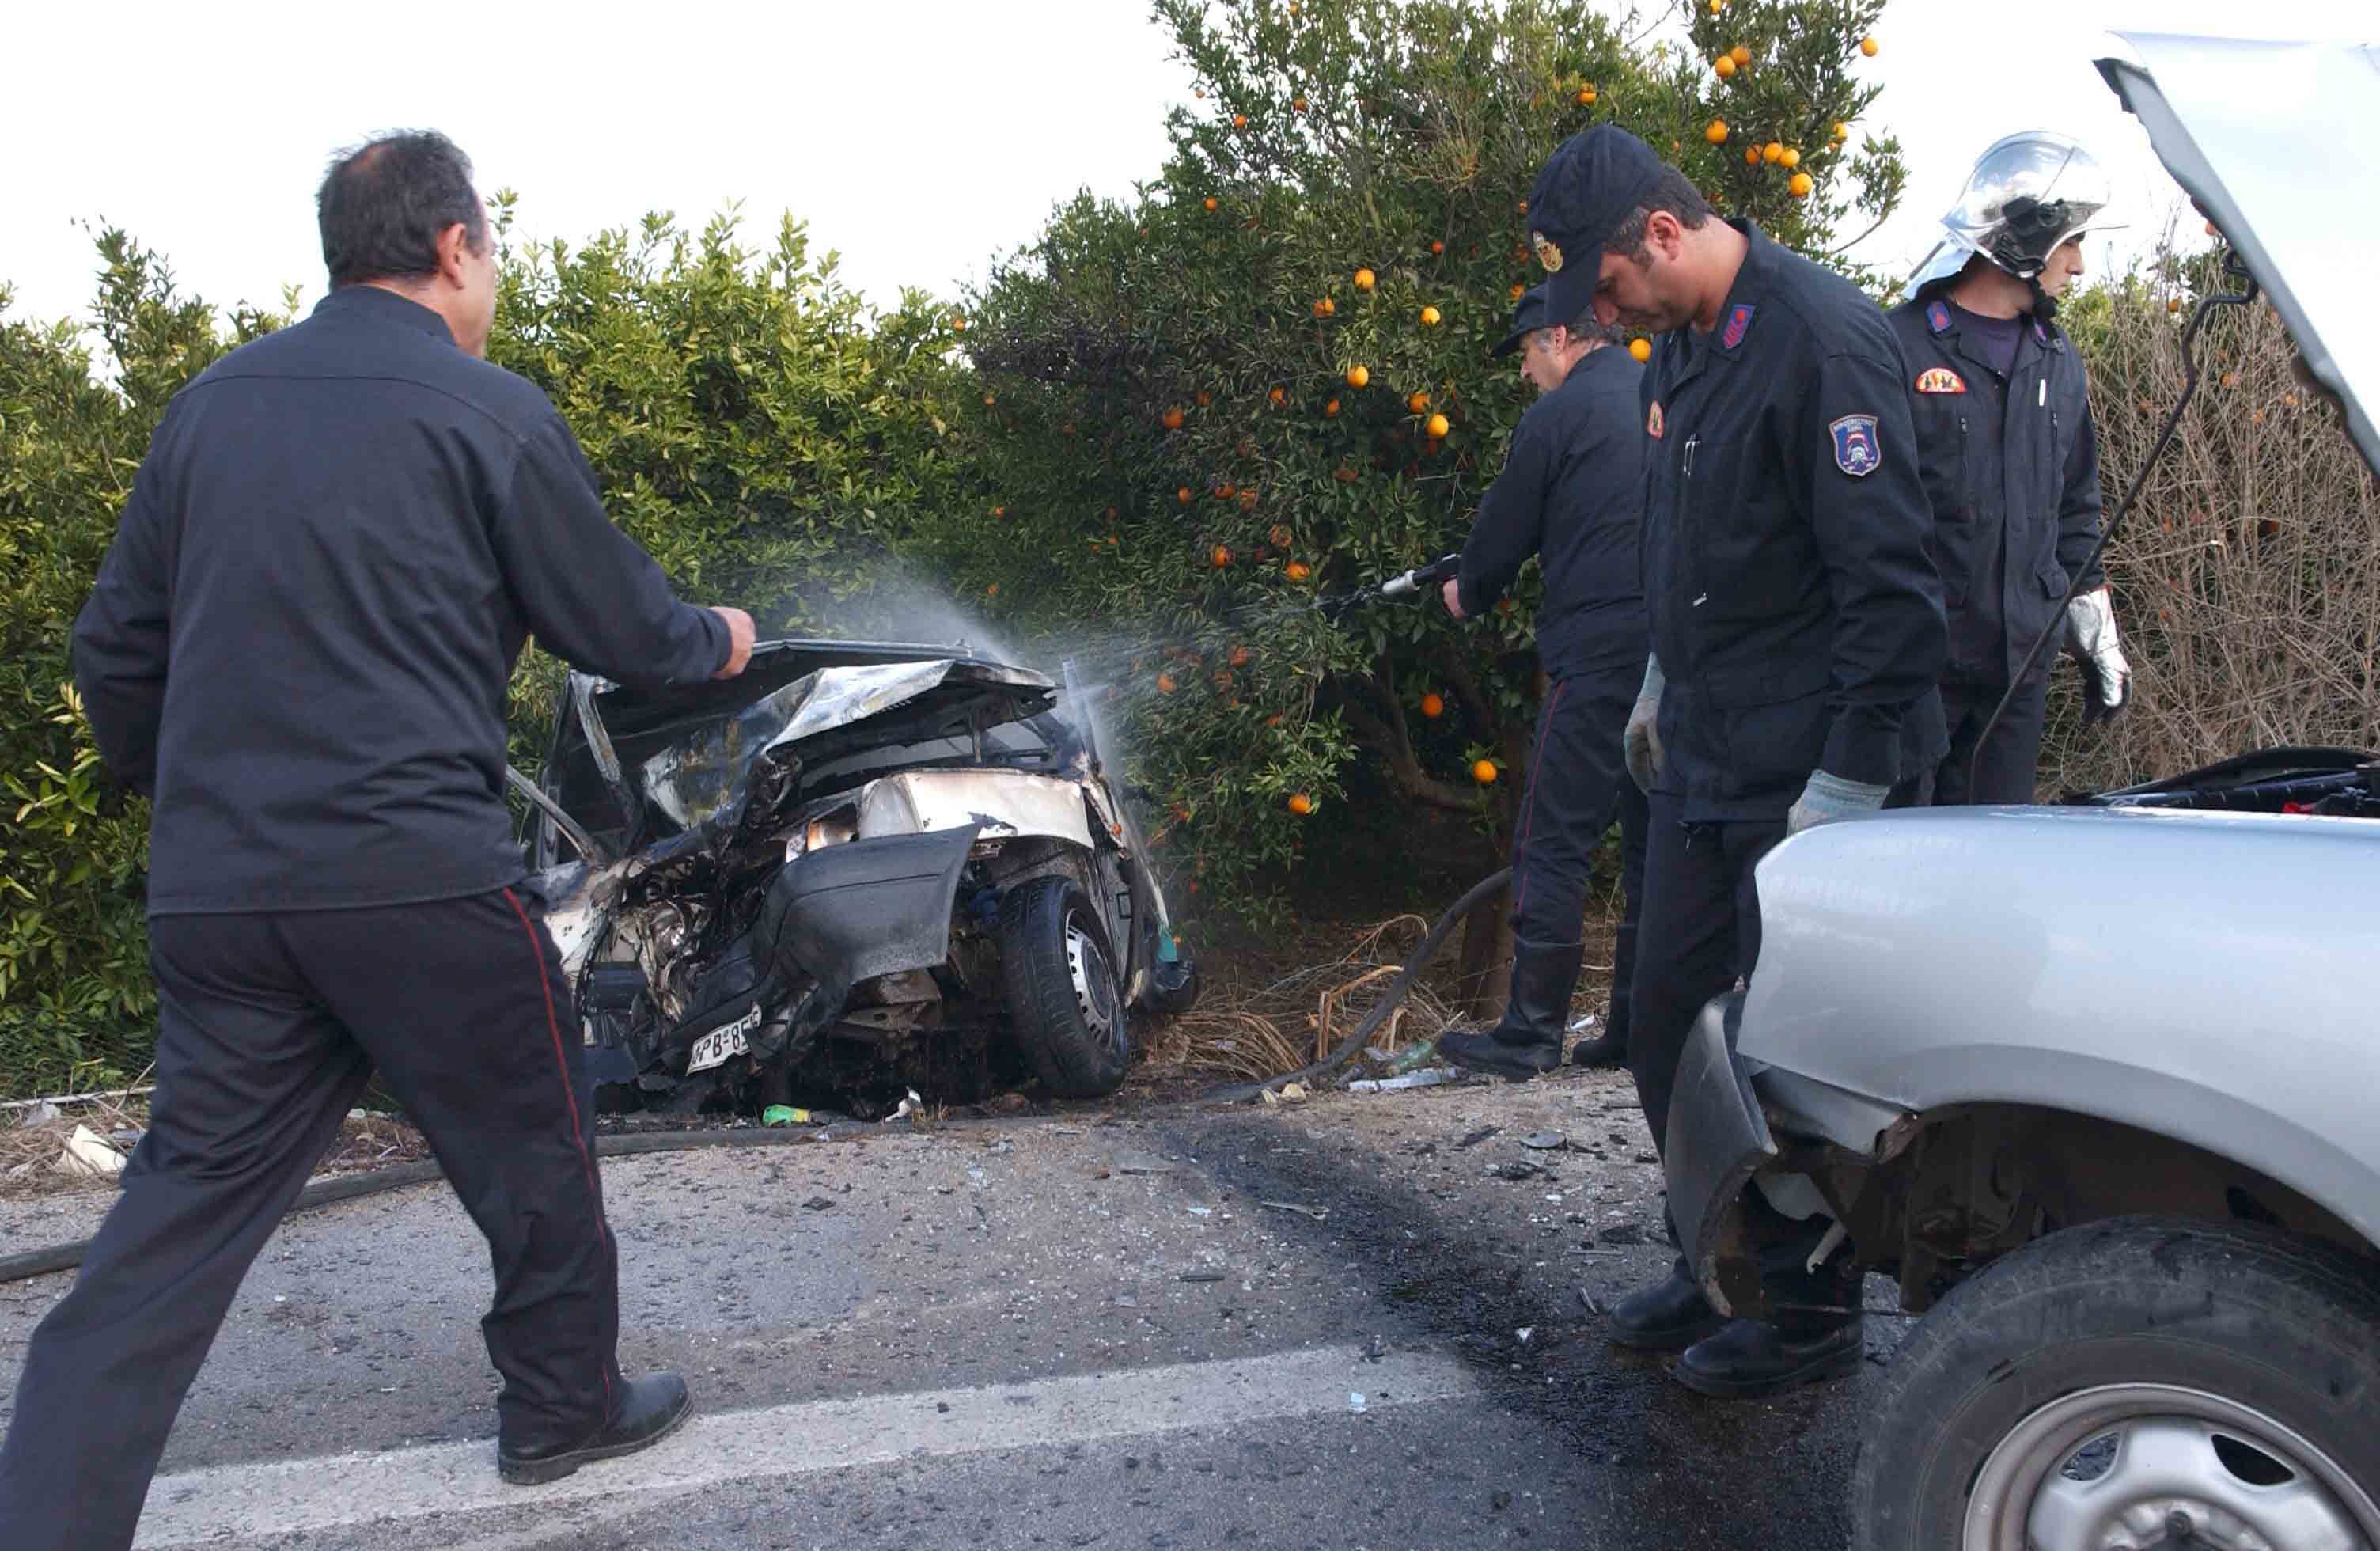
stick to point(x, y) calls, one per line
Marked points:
point(685, 753)
point(2272, 139)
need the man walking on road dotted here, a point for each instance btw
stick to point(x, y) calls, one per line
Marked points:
point(298, 648)
point(1569, 493)
point(2010, 456)
point(1797, 639)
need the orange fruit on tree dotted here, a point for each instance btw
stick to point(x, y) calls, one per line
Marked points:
point(1247, 501)
point(1211, 201)
point(959, 323)
point(1280, 534)
point(1298, 103)
point(1791, 158)
point(1801, 186)
point(1714, 6)
point(1300, 804)
point(1331, 409)
point(1224, 492)
point(1358, 374)
point(1298, 571)
point(1220, 554)
point(987, 401)
point(1587, 96)
point(1436, 247)
point(1000, 511)
point(1741, 55)
point(2173, 303)
point(1363, 280)
point(1344, 475)
point(1642, 349)
point(1203, 399)
point(1524, 207)
point(993, 591)
point(1183, 496)
point(1437, 426)
point(1842, 130)
point(1724, 65)
point(1239, 657)
point(1484, 772)
point(1171, 419)
point(1432, 707)
point(1165, 684)
point(1867, 46)
point(1278, 397)
point(1417, 401)
point(1430, 316)
point(1519, 291)
point(1716, 133)
point(1773, 153)
point(1239, 121)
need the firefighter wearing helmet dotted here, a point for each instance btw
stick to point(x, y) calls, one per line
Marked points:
point(2009, 456)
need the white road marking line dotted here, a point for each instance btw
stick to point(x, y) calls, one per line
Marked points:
point(284, 1496)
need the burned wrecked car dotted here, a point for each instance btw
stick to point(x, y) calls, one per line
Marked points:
point(854, 871)
point(2094, 1083)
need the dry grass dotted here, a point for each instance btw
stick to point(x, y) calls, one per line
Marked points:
point(2247, 581)
point(1248, 1028)
point(29, 1152)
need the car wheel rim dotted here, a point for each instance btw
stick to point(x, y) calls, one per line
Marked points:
point(2132, 1466)
point(1094, 988)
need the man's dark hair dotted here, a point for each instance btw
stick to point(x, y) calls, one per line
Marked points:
point(382, 204)
point(1671, 192)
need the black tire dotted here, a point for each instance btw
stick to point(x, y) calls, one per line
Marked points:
point(1075, 1032)
point(2205, 1331)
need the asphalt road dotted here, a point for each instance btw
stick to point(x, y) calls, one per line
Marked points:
point(1132, 1331)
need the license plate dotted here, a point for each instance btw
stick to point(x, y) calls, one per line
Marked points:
point(713, 1048)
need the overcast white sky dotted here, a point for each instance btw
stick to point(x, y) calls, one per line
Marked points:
point(918, 138)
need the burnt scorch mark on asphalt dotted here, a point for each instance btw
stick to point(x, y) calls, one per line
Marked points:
point(1680, 1472)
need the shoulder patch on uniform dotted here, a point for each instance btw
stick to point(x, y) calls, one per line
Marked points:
point(1856, 452)
point(1738, 320)
point(1940, 380)
point(2040, 332)
point(1937, 317)
point(1653, 420)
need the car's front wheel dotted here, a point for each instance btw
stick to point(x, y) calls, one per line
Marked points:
point(2134, 1383)
point(1066, 993)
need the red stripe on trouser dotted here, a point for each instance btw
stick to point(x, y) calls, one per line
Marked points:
point(1529, 803)
point(570, 1096)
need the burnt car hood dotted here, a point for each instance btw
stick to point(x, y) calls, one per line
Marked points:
point(689, 751)
point(2259, 134)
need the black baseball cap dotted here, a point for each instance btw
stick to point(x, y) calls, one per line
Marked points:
point(1584, 192)
point(1528, 314)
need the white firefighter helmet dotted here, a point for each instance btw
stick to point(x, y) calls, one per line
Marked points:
point(2029, 194)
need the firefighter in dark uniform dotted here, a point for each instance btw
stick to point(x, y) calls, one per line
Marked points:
point(1797, 637)
point(298, 648)
point(1568, 494)
point(2010, 456)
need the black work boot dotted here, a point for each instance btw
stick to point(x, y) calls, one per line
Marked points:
point(1528, 1041)
point(1670, 1315)
point(649, 1412)
point(1608, 1048)
point(1752, 1357)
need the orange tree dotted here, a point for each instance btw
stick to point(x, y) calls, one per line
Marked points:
point(1266, 382)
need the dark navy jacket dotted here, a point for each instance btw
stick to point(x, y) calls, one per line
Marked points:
point(1795, 609)
point(300, 639)
point(1571, 492)
point(2011, 468)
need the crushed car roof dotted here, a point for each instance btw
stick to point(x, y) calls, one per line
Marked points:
point(2273, 140)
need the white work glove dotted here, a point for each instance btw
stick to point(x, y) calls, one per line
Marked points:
point(1831, 797)
point(1643, 739)
point(2091, 641)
